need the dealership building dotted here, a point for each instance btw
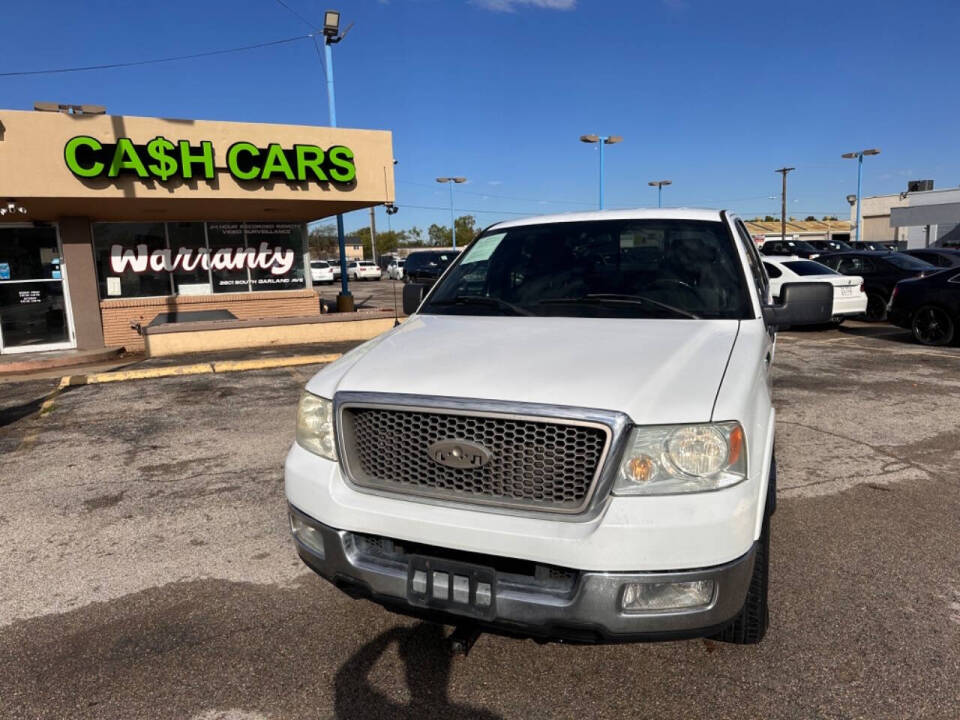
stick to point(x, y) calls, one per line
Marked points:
point(113, 224)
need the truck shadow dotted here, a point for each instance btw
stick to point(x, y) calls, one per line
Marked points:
point(426, 660)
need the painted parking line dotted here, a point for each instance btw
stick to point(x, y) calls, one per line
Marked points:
point(217, 366)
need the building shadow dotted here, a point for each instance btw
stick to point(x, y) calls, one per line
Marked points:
point(427, 664)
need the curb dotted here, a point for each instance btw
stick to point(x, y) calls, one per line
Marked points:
point(216, 366)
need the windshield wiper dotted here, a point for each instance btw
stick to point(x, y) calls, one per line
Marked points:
point(482, 300)
point(602, 298)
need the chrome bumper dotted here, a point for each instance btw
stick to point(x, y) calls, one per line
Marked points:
point(588, 612)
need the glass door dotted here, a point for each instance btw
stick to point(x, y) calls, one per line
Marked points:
point(34, 307)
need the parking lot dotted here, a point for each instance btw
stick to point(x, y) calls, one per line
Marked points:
point(146, 569)
point(367, 294)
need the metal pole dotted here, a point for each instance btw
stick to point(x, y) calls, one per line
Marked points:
point(341, 240)
point(783, 203)
point(659, 196)
point(859, 185)
point(601, 143)
point(453, 220)
point(373, 235)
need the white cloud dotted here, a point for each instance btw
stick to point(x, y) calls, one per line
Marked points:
point(495, 182)
point(512, 5)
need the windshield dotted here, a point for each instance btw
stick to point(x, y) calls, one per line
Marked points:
point(809, 267)
point(906, 262)
point(319, 264)
point(430, 260)
point(604, 268)
point(800, 245)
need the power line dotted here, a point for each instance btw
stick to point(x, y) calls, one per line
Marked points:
point(503, 197)
point(311, 25)
point(111, 66)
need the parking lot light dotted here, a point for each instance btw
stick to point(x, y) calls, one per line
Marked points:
point(658, 184)
point(601, 140)
point(453, 221)
point(858, 155)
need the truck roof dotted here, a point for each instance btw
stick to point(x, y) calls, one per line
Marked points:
point(633, 214)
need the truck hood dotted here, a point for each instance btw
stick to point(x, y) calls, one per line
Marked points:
point(656, 371)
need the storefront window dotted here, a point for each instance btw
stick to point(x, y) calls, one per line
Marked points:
point(195, 258)
point(123, 254)
point(285, 242)
point(227, 238)
point(186, 239)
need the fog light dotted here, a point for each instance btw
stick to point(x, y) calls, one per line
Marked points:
point(307, 534)
point(639, 597)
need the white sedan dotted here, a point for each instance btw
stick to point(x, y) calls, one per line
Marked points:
point(363, 270)
point(849, 297)
point(395, 270)
point(321, 272)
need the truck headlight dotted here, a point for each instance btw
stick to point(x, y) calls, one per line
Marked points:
point(315, 426)
point(670, 459)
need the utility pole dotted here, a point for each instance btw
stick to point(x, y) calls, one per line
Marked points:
point(783, 202)
point(373, 235)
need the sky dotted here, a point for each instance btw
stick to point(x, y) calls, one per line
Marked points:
point(712, 95)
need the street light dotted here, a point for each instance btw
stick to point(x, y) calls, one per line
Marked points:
point(658, 184)
point(859, 158)
point(601, 140)
point(453, 221)
point(331, 36)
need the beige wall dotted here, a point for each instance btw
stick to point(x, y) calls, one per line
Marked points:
point(33, 171)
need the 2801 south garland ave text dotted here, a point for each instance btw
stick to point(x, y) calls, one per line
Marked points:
point(162, 159)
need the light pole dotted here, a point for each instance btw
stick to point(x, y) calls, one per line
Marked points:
point(658, 184)
point(453, 221)
point(859, 156)
point(331, 36)
point(601, 140)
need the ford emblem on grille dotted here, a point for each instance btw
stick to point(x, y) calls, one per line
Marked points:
point(459, 454)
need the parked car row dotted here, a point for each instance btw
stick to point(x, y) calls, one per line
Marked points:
point(849, 298)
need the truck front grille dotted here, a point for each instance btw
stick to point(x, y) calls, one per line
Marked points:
point(540, 464)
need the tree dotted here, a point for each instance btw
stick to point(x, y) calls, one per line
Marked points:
point(769, 218)
point(414, 236)
point(829, 217)
point(322, 241)
point(809, 218)
point(440, 235)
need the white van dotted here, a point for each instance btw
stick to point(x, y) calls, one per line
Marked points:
point(570, 437)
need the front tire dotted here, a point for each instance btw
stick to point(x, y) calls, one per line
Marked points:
point(932, 325)
point(750, 624)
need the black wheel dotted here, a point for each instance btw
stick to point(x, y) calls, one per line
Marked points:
point(932, 326)
point(876, 307)
point(750, 624)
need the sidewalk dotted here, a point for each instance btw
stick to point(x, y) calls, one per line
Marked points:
point(129, 366)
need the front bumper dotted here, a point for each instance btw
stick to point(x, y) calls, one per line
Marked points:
point(585, 607)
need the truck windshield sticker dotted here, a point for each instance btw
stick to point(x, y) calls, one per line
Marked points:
point(165, 160)
point(483, 248)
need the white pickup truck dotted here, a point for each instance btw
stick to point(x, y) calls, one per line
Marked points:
point(569, 438)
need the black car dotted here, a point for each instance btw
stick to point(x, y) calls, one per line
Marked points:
point(425, 266)
point(929, 307)
point(880, 271)
point(941, 257)
point(871, 245)
point(825, 246)
point(789, 247)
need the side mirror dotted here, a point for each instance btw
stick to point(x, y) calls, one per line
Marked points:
point(801, 304)
point(412, 297)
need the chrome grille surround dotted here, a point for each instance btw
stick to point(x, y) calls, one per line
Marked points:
point(517, 485)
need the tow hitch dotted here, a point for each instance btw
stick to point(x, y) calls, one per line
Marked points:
point(462, 639)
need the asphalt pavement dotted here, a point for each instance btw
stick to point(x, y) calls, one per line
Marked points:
point(146, 569)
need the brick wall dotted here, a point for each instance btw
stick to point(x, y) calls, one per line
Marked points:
point(118, 315)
